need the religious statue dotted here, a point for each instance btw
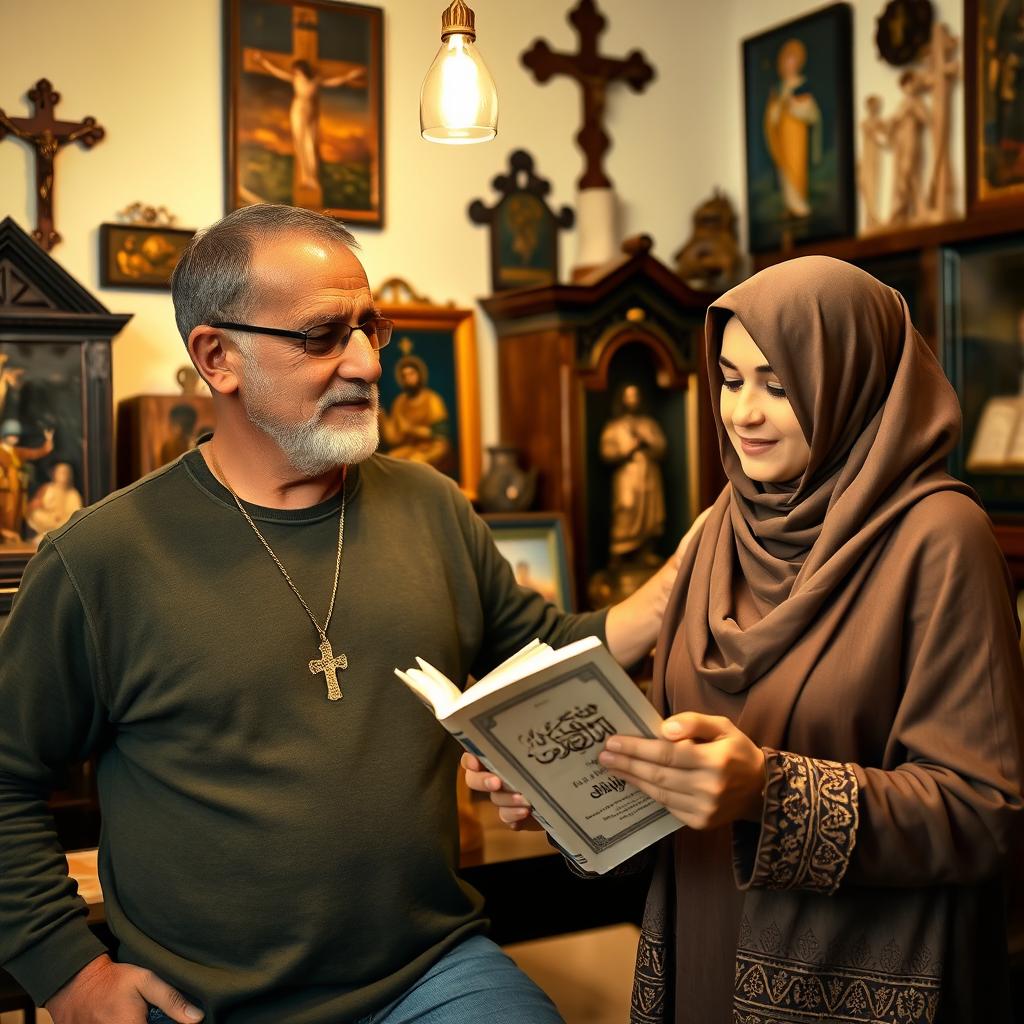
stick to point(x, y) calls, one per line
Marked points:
point(711, 256)
point(906, 129)
point(943, 70)
point(416, 428)
point(874, 136)
point(304, 115)
point(14, 477)
point(792, 128)
point(54, 503)
point(634, 443)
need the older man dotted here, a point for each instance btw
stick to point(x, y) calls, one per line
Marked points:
point(280, 839)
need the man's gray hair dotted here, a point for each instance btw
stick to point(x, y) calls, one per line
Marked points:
point(211, 281)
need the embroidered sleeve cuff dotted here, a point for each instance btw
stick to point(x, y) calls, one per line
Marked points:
point(808, 827)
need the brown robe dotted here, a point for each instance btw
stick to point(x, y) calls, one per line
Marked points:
point(858, 624)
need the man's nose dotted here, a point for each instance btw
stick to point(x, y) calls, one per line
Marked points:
point(361, 359)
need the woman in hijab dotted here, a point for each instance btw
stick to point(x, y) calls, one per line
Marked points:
point(840, 662)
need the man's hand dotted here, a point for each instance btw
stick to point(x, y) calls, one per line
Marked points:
point(513, 809)
point(104, 992)
point(705, 771)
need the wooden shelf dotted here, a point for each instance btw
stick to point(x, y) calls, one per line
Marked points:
point(988, 222)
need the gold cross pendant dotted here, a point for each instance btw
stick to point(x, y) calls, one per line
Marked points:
point(329, 665)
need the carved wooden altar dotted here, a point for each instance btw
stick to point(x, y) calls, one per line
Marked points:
point(563, 353)
point(55, 340)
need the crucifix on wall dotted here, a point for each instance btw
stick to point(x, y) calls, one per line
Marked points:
point(307, 74)
point(594, 72)
point(47, 135)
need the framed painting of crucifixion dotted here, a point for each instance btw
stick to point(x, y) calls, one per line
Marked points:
point(304, 106)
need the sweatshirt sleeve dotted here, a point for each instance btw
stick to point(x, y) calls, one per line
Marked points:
point(949, 812)
point(513, 616)
point(51, 718)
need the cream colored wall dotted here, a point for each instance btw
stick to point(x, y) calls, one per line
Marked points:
point(150, 72)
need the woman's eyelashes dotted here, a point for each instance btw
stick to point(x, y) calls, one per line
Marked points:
point(735, 384)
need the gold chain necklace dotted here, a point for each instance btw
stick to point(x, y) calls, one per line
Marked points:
point(327, 662)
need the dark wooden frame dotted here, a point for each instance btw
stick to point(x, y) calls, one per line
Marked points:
point(520, 180)
point(50, 308)
point(110, 277)
point(974, 125)
point(557, 524)
point(842, 14)
point(231, 74)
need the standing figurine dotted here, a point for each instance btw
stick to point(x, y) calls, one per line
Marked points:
point(906, 129)
point(874, 135)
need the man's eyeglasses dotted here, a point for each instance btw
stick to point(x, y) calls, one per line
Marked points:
point(326, 340)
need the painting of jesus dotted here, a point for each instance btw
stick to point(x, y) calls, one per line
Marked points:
point(304, 106)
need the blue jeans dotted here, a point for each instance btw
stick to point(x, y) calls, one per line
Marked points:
point(474, 982)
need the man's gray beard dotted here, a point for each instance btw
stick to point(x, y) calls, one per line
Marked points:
point(314, 448)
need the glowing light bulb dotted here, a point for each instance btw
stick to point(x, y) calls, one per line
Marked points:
point(458, 101)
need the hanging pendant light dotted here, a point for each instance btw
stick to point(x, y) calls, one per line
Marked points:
point(458, 101)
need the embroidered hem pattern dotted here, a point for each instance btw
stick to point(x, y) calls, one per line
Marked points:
point(810, 824)
point(771, 990)
point(647, 1005)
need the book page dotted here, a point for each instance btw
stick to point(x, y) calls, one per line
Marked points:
point(990, 446)
point(539, 658)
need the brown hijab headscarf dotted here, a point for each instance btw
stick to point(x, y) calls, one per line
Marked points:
point(879, 417)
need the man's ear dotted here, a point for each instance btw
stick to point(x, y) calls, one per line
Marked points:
point(212, 359)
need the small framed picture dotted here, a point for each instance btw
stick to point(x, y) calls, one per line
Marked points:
point(798, 104)
point(994, 99)
point(153, 430)
point(429, 389)
point(535, 545)
point(140, 256)
point(304, 106)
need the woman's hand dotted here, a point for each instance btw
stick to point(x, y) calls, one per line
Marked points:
point(705, 771)
point(513, 809)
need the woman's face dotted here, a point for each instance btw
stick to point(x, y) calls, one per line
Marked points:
point(757, 415)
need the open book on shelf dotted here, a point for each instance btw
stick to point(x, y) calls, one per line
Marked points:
point(538, 721)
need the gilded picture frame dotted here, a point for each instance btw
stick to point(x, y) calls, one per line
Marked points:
point(429, 386)
point(140, 256)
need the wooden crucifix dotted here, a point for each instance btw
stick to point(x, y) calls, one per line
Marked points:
point(594, 74)
point(46, 135)
point(306, 73)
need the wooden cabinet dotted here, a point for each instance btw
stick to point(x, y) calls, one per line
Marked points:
point(565, 352)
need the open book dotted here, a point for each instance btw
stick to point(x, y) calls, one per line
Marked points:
point(538, 721)
point(998, 444)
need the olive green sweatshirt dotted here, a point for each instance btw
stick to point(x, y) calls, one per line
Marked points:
point(276, 856)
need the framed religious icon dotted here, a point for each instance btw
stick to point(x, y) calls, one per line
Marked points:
point(524, 229)
point(994, 97)
point(429, 391)
point(798, 104)
point(55, 406)
point(983, 355)
point(534, 544)
point(304, 106)
point(140, 256)
point(153, 430)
